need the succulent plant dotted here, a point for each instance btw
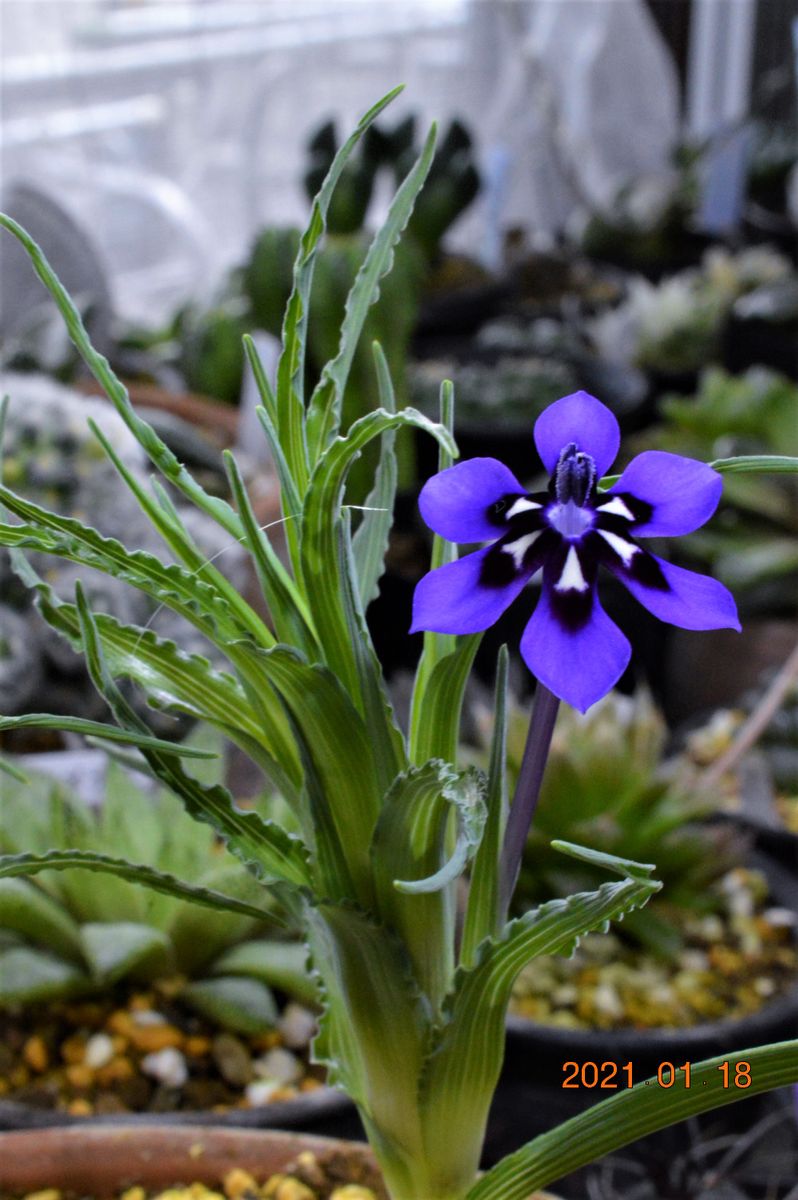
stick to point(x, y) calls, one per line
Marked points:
point(753, 546)
point(77, 932)
point(607, 786)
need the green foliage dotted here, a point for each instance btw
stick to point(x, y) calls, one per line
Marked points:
point(753, 546)
point(85, 922)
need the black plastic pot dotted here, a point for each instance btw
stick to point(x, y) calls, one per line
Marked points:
point(325, 1111)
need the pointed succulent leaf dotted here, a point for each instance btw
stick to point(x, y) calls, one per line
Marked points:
point(27, 910)
point(119, 948)
point(282, 965)
point(28, 976)
point(243, 1005)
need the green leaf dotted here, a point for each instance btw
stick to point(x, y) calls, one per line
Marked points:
point(761, 463)
point(29, 911)
point(30, 976)
point(290, 371)
point(12, 770)
point(166, 520)
point(338, 760)
point(483, 911)
point(465, 1057)
point(243, 1005)
point(415, 867)
point(285, 601)
point(630, 1115)
point(282, 965)
point(323, 584)
point(438, 702)
point(157, 451)
point(168, 583)
point(262, 846)
point(324, 412)
point(370, 541)
point(98, 730)
point(374, 1026)
point(116, 949)
point(160, 881)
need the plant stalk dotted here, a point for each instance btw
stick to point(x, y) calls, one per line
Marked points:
point(527, 792)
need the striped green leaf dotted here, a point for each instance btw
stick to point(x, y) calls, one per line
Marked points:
point(630, 1115)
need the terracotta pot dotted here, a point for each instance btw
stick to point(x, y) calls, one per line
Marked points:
point(105, 1161)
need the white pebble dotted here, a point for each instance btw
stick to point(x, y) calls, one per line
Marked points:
point(260, 1092)
point(296, 1026)
point(147, 1016)
point(168, 1066)
point(99, 1051)
point(278, 1064)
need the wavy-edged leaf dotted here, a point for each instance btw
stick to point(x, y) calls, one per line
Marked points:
point(426, 711)
point(167, 583)
point(369, 988)
point(184, 682)
point(158, 452)
point(286, 603)
point(465, 1056)
point(290, 408)
point(167, 522)
point(244, 1005)
point(438, 702)
point(321, 533)
point(370, 541)
point(116, 949)
point(12, 865)
point(262, 846)
point(629, 1115)
point(28, 976)
point(27, 910)
point(483, 911)
point(282, 965)
point(415, 865)
point(96, 729)
point(324, 410)
point(339, 764)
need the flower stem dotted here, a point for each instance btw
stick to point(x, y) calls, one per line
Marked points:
point(527, 791)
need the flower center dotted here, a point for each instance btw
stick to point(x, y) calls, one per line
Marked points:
point(574, 475)
point(570, 519)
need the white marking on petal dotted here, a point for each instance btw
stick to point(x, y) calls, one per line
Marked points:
point(625, 550)
point(616, 508)
point(572, 579)
point(521, 505)
point(519, 547)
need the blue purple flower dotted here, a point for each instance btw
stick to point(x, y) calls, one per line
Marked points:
point(568, 532)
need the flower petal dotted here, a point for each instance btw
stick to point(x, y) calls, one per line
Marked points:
point(455, 502)
point(682, 492)
point(677, 596)
point(582, 419)
point(580, 666)
point(452, 599)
